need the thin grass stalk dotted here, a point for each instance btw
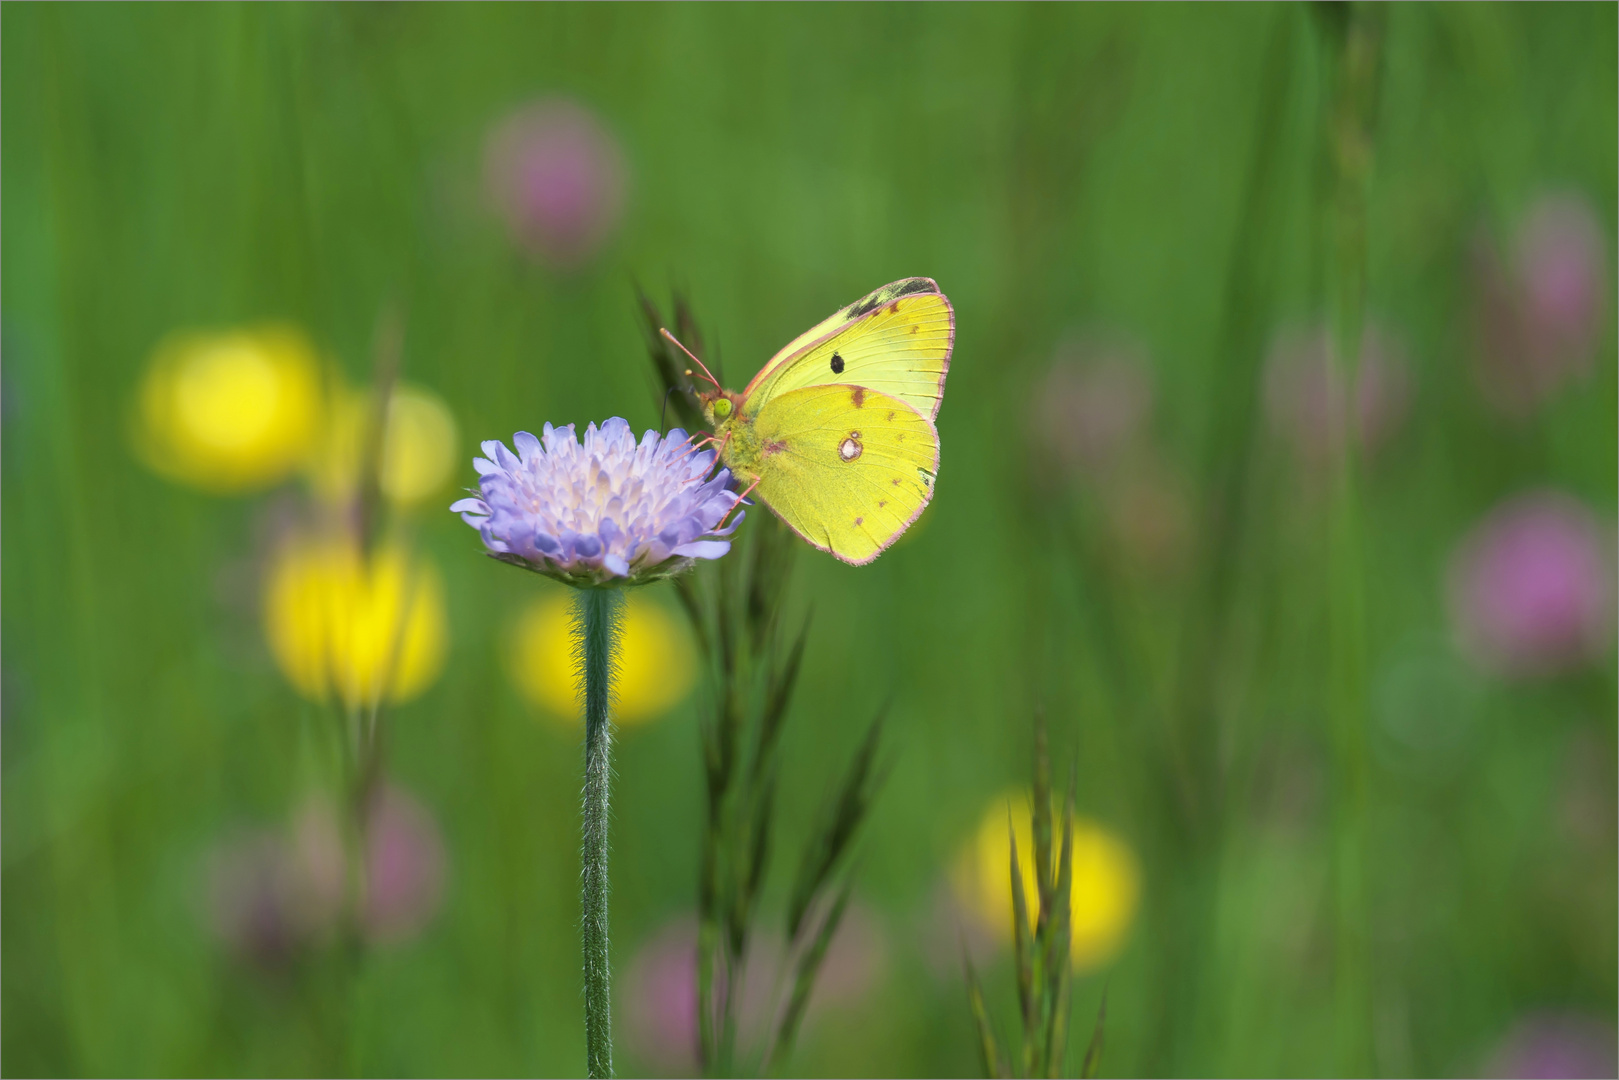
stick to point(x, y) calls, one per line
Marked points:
point(989, 1054)
point(808, 966)
point(598, 617)
point(1193, 814)
point(1059, 969)
point(1092, 1062)
point(736, 614)
point(1353, 36)
point(707, 1022)
point(840, 823)
point(1040, 824)
point(1023, 950)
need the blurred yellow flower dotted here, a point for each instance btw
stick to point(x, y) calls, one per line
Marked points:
point(418, 451)
point(657, 665)
point(1106, 878)
point(230, 411)
point(340, 624)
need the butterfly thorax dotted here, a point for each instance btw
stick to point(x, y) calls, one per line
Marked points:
point(734, 434)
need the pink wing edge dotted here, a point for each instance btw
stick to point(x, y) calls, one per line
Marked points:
point(949, 351)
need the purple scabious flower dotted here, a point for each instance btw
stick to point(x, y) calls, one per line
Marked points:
point(609, 511)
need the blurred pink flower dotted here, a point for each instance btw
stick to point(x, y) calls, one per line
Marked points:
point(1539, 319)
point(1093, 404)
point(273, 892)
point(660, 999)
point(404, 867)
point(856, 961)
point(263, 903)
point(948, 928)
point(316, 849)
point(659, 989)
point(1555, 1045)
point(1150, 515)
point(1562, 265)
point(557, 176)
point(1305, 398)
point(1531, 590)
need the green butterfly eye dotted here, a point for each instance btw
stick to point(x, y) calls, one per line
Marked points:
point(722, 408)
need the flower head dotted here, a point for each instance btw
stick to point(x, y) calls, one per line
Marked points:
point(557, 176)
point(1106, 879)
point(1094, 405)
point(362, 627)
point(1539, 312)
point(659, 989)
point(274, 892)
point(417, 452)
point(1561, 257)
point(1555, 1044)
point(264, 900)
point(1531, 587)
point(404, 867)
point(232, 411)
point(1310, 405)
point(605, 511)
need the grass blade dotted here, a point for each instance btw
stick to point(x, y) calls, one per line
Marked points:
point(667, 363)
point(809, 964)
point(1093, 1052)
point(1041, 821)
point(989, 1053)
point(822, 854)
point(1023, 948)
point(782, 681)
point(1059, 969)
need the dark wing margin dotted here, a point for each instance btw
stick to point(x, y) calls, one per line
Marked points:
point(892, 291)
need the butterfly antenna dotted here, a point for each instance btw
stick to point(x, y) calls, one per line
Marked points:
point(706, 373)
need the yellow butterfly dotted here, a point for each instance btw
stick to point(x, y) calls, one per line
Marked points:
point(836, 431)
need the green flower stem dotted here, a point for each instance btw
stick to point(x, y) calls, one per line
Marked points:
point(598, 616)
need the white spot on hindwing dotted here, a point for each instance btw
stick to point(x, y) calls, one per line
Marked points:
point(850, 448)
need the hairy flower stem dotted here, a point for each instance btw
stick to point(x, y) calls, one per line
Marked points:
point(598, 614)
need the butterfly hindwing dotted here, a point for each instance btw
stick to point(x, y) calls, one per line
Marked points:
point(896, 341)
point(848, 467)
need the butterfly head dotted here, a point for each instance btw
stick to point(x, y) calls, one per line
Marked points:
point(720, 407)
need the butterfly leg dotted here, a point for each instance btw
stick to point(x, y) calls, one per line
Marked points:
point(695, 445)
point(738, 503)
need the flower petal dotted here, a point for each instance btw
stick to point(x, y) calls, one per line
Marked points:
point(703, 549)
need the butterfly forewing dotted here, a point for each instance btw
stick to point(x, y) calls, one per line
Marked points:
point(896, 341)
point(848, 467)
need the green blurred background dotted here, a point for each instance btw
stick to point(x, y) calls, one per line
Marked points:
point(1363, 849)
